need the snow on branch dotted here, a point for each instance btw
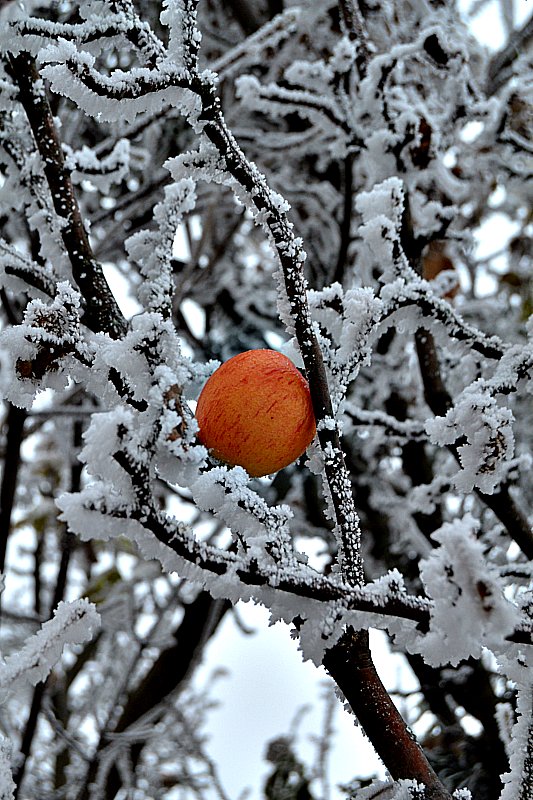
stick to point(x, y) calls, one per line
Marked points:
point(365, 167)
point(86, 86)
point(30, 34)
point(153, 251)
point(419, 297)
point(518, 783)
point(470, 610)
point(102, 312)
point(17, 271)
point(180, 16)
point(44, 349)
point(124, 95)
point(73, 623)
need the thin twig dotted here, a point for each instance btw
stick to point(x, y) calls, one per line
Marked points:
point(499, 71)
point(355, 25)
point(14, 424)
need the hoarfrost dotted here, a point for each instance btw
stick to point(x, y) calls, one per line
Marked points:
point(7, 784)
point(73, 623)
point(470, 610)
point(489, 447)
point(518, 782)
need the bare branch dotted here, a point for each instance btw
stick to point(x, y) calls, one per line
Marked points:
point(499, 69)
point(350, 664)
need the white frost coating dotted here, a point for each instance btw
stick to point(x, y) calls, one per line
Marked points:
point(328, 423)
point(344, 324)
point(180, 27)
point(11, 257)
point(470, 610)
point(205, 164)
point(166, 87)
point(225, 491)
point(52, 327)
point(505, 718)
point(7, 784)
point(72, 623)
point(361, 312)
point(380, 789)
point(385, 199)
point(424, 498)
point(489, 434)
point(153, 250)
point(516, 663)
point(404, 789)
point(518, 782)
point(320, 631)
point(387, 586)
point(429, 214)
point(103, 173)
point(14, 346)
point(90, 523)
point(102, 441)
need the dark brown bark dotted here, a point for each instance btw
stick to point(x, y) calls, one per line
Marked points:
point(350, 665)
point(346, 222)
point(14, 424)
point(439, 400)
point(101, 312)
point(499, 66)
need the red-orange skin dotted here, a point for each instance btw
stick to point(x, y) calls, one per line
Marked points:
point(255, 411)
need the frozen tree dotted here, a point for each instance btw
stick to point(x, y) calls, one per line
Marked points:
point(349, 182)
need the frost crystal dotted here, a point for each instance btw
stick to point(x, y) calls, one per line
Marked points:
point(470, 610)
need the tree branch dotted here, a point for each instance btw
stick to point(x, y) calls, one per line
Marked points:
point(102, 312)
point(346, 222)
point(499, 71)
point(170, 671)
point(350, 665)
point(439, 400)
point(355, 25)
point(245, 16)
point(14, 424)
point(291, 256)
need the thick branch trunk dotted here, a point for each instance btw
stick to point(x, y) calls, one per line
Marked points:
point(350, 665)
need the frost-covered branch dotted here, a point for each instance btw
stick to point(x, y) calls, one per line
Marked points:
point(356, 29)
point(292, 256)
point(101, 312)
point(325, 189)
point(404, 430)
point(72, 623)
point(270, 209)
point(430, 307)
